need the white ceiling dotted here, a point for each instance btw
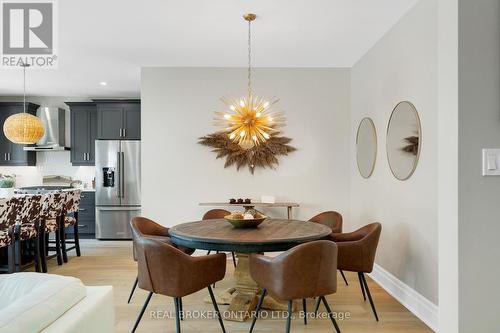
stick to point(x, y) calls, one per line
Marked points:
point(111, 40)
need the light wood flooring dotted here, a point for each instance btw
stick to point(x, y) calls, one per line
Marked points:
point(111, 263)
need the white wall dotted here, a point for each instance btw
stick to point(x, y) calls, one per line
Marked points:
point(401, 66)
point(479, 127)
point(448, 165)
point(178, 106)
point(49, 163)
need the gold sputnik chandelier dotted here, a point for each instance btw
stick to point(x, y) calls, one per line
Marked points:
point(250, 120)
point(23, 128)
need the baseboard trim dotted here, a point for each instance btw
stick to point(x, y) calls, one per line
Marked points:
point(420, 306)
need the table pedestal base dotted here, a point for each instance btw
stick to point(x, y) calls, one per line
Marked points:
point(242, 298)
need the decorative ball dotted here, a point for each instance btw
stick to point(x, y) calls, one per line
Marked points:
point(23, 128)
point(248, 216)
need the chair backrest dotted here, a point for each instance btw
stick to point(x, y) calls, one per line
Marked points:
point(142, 226)
point(331, 219)
point(73, 198)
point(307, 270)
point(7, 214)
point(369, 236)
point(28, 209)
point(53, 205)
point(153, 255)
point(215, 214)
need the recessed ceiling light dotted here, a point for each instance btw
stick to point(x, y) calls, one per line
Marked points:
point(103, 83)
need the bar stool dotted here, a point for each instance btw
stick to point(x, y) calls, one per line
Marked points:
point(71, 206)
point(7, 223)
point(53, 205)
point(27, 231)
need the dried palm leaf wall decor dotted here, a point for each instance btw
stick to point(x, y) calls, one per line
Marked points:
point(264, 155)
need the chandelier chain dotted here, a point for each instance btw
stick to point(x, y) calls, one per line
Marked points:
point(249, 59)
point(24, 87)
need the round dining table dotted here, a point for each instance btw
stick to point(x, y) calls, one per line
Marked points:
point(273, 235)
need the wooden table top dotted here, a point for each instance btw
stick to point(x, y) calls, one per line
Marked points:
point(271, 235)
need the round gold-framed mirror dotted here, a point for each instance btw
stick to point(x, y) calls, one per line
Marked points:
point(366, 147)
point(404, 140)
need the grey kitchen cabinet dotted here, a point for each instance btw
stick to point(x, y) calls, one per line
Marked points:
point(83, 132)
point(12, 154)
point(118, 119)
point(86, 216)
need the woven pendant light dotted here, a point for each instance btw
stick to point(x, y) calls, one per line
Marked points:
point(23, 128)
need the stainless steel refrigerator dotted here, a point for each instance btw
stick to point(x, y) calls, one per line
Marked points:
point(118, 187)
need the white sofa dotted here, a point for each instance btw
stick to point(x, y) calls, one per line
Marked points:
point(36, 302)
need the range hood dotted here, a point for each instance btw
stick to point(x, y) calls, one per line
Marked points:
point(54, 121)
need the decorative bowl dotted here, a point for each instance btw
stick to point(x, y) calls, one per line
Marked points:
point(242, 224)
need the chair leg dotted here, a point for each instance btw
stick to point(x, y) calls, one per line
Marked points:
point(43, 251)
point(360, 278)
point(18, 255)
point(316, 308)
point(343, 276)
point(62, 235)
point(142, 311)
point(133, 289)
point(216, 308)
point(76, 237)
point(330, 314)
point(11, 257)
point(369, 296)
point(256, 314)
point(177, 315)
point(36, 253)
point(289, 316)
point(58, 248)
point(181, 313)
point(234, 259)
point(209, 251)
point(304, 307)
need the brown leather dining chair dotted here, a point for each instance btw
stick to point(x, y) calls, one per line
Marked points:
point(147, 227)
point(166, 270)
point(332, 220)
point(305, 271)
point(357, 254)
point(214, 214)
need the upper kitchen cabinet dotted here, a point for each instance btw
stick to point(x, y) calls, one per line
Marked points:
point(83, 132)
point(13, 154)
point(118, 119)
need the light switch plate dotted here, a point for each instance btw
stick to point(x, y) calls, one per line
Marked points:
point(491, 162)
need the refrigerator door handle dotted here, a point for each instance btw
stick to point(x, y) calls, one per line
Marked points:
point(119, 177)
point(122, 174)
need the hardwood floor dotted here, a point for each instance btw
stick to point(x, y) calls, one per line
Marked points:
point(111, 263)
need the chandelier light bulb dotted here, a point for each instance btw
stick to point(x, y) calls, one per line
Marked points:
point(242, 133)
point(227, 116)
point(242, 103)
